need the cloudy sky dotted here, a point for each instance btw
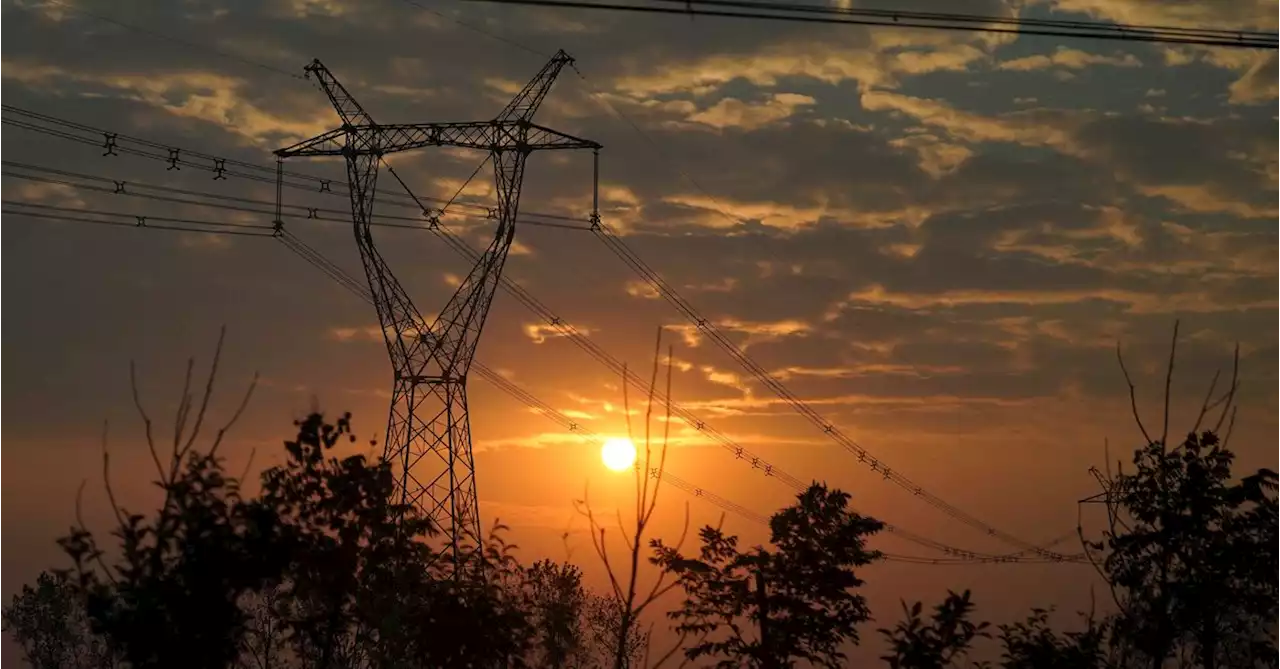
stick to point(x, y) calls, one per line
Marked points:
point(936, 239)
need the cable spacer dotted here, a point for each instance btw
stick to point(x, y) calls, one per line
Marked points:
point(109, 143)
point(324, 186)
point(120, 187)
point(312, 213)
point(220, 167)
point(277, 228)
point(173, 160)
point(491, 214)
point(142, 221)
point(594, 218)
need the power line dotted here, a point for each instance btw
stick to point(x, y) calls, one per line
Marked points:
point(708, 328)
point(177, 158)
point(615, 244)
point(343, 278)
point(955, 22)
point(551, 412)
point(297, 212)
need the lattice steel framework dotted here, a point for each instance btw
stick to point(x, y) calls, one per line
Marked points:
point(428, 431)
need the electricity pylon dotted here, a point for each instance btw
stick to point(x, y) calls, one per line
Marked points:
point(428, 431)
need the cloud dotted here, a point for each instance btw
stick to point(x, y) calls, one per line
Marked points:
point(734, 113)
point(1258, 84)
point(1070, 59)
point(209, 97)
point(541, 332)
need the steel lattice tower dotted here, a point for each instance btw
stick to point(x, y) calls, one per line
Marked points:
point(428, 431)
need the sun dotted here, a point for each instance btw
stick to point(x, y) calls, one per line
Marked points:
point(618, 454)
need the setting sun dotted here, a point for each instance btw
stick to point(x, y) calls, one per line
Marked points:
point(618, 454)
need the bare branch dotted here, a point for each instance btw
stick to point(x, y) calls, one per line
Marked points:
point(208, 392)
point(244, 403)
point(1208, 397)
point(94, 552)
point(1230, 427)
point(184, 405)
point(1168, 383)
point(1133, 395)
point(1229, 399)
point(106, 479)
point(248, 463)
point(146, 421)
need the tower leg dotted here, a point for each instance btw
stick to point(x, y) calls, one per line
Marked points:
point(429, 438)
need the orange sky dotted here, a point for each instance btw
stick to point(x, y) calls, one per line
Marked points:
point(935, 239)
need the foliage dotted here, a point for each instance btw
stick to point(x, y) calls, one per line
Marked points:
point(1189, 553)
point(49, 623)
point(603, 616)
point(325, 568)
point(557, 603)
point(917, 644)
point(1032, 644)
point(768, 608)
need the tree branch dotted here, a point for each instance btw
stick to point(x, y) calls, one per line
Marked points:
point(1168, 383)
point(1133, 395)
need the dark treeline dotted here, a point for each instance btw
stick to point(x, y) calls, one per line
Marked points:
point(321, 568)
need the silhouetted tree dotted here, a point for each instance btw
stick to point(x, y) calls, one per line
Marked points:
point(603, 619)
point(323, 569)
point(915, 643)
point(1190, 554)
point(50, 626)
point(771, 607)
point(557, 604)
point(171, 598)
point(1032, 644)
point(946, 639)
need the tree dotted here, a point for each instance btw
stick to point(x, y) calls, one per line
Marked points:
point(632, 600)
point(171, 599)
point(936, 644)
point(1190, 554)
point(557, 603)
point(50, 625)
point(946, 638)
point(768, 608)
point(1032, 644)
point(603, 621)
point(322, 569)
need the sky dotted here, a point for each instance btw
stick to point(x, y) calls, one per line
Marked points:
point(936, 239)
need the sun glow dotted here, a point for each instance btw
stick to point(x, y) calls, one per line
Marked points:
point(618, 454)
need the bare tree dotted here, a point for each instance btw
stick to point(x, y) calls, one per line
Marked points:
point(626, 590)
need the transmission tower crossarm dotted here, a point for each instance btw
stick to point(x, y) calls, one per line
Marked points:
point(482, 135)
point(331, 143)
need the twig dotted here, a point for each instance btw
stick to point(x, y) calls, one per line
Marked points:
point(244, 403)
point(1168, 383)
point(1133, 395)
point(93, 547)
point(249, 463)
point(1230, 397)
point(208, 392)
point(184, 405)
point(106, 479)
point(1208, 397)
point(146, 420)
